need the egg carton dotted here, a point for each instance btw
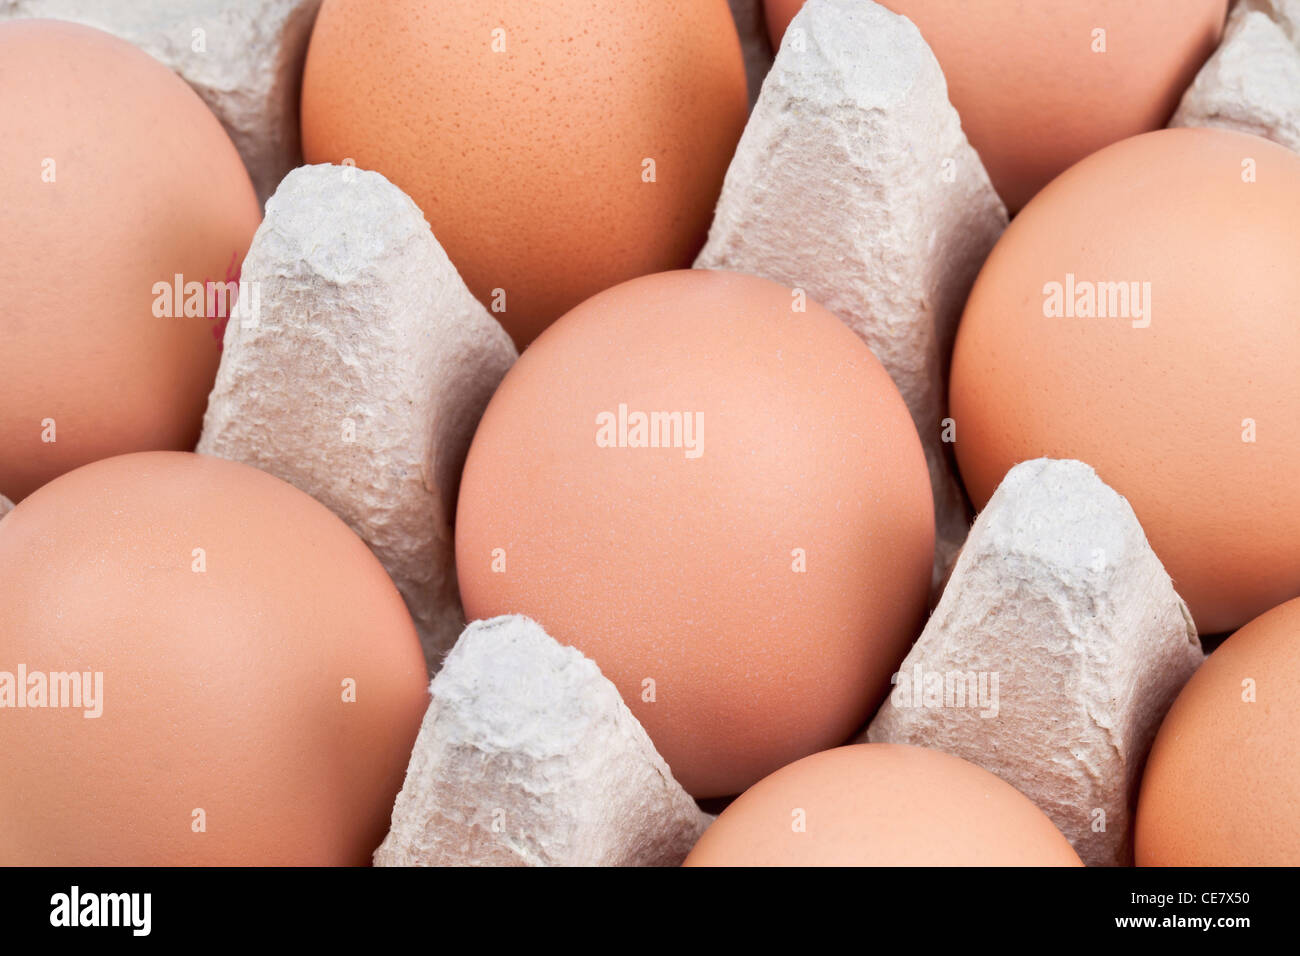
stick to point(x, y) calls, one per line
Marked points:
point(1252, 81)
point(373, 364)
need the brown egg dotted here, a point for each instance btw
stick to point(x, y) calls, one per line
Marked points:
point(1222, 784)
point(1036, 86)
point(556, 149)
point(114, 179)
point(1185, 397)
point(750, 584)
point(882, 805)
point(256, 682)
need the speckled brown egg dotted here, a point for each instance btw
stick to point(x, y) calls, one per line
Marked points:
point(882, 805)
point(115, 178)
point(556, 148)
point(711, 487)
point(1222, 784)
point(199, 664)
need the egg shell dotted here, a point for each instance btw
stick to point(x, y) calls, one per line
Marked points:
point(523, 131)
point(1222, 783)
point(1189, 409)
point(114, 177)
point(228, 614)
point(244, 59)
point(765, 582)
point(882, 805)
point(1035, 91)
